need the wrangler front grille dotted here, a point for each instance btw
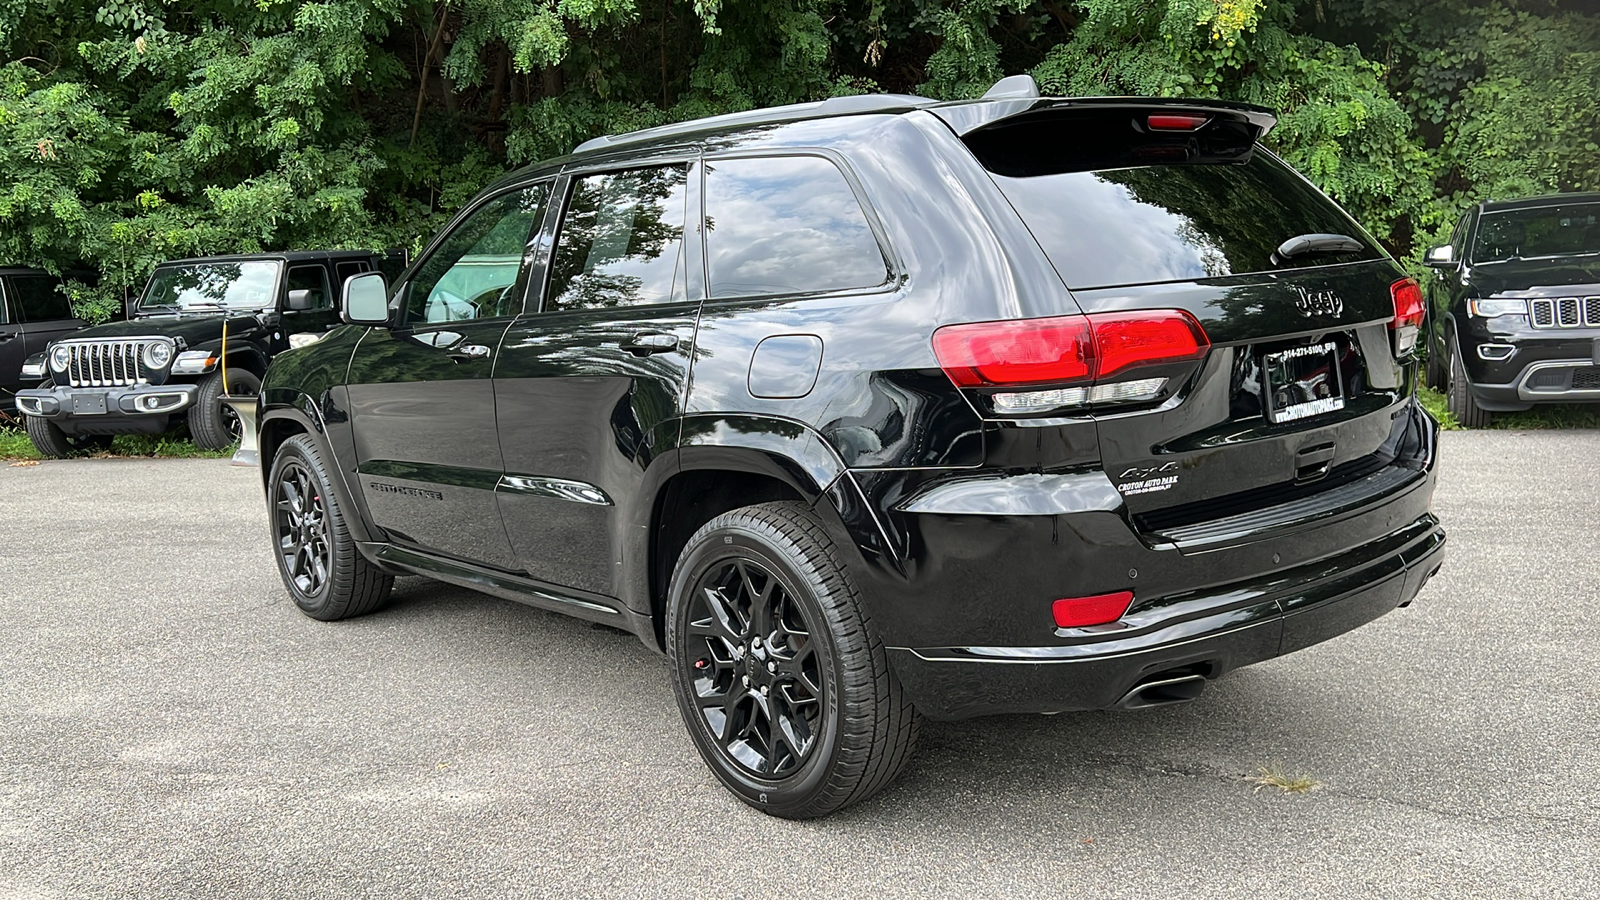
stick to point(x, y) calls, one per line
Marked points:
point(105, 363)
point(1565, 312)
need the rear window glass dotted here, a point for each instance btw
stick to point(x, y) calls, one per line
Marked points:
point(1208, 213)
point(1568, 230)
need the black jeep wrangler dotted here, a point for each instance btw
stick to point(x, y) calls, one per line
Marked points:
point(877, 408)
point(196, 320)
point(1516, 307)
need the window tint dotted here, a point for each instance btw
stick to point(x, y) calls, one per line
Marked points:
point(36, 299)
point(1568, 230)
point(621, 241)
point(472, 273)
point(1210, 211)
point(345, 270)
point(786, 225)
point(313, 279)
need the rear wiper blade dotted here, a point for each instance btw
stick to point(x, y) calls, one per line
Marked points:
point(1303, 244)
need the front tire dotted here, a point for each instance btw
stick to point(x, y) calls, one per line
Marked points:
point(1459, 398)
point(211, 423)
point(53, 443)
point(317, 558)
point(787, 694)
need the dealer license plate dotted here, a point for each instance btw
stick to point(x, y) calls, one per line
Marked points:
point(1303, 381)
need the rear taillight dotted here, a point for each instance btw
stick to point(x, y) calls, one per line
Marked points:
point(1408, 312)
point(1171, 122)
point(1084, 359)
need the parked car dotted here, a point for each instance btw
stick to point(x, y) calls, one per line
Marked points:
point(880, 408)
point(196, 321)
point(1515, 302)
point(32, 314)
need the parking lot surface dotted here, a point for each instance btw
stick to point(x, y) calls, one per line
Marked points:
point(172, 726)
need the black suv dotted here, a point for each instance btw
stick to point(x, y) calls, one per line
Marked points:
point(165, 365)
point(880, 408)
point(1515, 305)
point(33, 312)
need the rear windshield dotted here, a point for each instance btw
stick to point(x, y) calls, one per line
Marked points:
point(1567, 230)
point(1206, 213)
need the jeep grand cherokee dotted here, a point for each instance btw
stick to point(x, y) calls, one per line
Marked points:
point(879, 408)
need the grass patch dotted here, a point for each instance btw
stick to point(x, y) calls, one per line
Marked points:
point(1544, 416)
point(15, 445)
point(1273, 776)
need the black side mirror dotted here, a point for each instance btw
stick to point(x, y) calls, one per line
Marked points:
point(365, 300)
point(299, 300)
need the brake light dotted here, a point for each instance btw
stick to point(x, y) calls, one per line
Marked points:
point(1170, 122)
point(1409, 309)
point(1077, 354)
point(1081, 612)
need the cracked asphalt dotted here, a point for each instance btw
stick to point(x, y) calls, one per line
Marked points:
point(172, 727)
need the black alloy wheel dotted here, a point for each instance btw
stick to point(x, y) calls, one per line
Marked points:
point(755, 672)
point(214, 425)
point(300, 521)
point(1458, 395)
point(317, 557)
point(786, 692)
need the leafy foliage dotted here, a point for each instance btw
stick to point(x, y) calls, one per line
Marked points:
point(133, 131)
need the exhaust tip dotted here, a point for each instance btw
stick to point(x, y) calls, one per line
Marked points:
point(1163, 690)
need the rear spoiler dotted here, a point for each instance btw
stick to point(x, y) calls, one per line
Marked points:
point(1019, 95)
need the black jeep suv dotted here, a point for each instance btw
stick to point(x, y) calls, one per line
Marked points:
point(196, 320)
point(1515, 305)
point(880, 408)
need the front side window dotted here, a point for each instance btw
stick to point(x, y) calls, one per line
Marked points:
point(621, 240)
point(37, 300)
point(786, 225)
point(204, 287)
point(313, 279)
point(1547, 231)
point(473, 273)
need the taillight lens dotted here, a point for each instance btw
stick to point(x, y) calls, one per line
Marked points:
point(1070, 353)
point(1171, 122)
point(1081, 612)
point(1408, 312)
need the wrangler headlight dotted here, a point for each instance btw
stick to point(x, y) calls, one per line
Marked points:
point(157, 354)
point(60, 357)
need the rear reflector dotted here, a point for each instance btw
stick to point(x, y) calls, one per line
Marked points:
point(1081, 612)
point(1171, 122)
point(1066, 349)
point(1408, 312)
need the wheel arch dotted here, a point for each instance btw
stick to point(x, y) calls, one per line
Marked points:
point(725, 463)
point(284, 415)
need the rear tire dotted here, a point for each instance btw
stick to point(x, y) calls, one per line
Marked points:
point(213, 425)
point(784, 689)
point(1459, 398)
point(317, 558)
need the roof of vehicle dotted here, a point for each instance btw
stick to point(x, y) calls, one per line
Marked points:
point(21, 270)
point(1536, 202)
point(287, 256)
point(1009, 97)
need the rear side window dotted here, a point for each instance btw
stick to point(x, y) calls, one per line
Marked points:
point(346, 269)
point(786, 225)
point(1188, 212)
point(36, 299)
point(621, 240)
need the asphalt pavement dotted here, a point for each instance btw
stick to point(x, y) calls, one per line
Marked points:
point(172, 727)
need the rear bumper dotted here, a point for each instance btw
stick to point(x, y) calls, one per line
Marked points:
point(1206, 634)
point(134, 409)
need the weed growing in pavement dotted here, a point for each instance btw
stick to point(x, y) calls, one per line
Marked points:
point(1273, 775)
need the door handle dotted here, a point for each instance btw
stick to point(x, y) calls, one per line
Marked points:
point(648, 342)
point(7, 337)
point(469, 352)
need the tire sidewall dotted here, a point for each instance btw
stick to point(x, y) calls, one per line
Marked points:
point(208, 425)
point(296, 450)
point(704, 551)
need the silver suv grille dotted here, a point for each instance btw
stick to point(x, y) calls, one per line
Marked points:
point(1565, 312)
point(106, 363)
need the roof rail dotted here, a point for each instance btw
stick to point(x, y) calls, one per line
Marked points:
point(833, 106)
